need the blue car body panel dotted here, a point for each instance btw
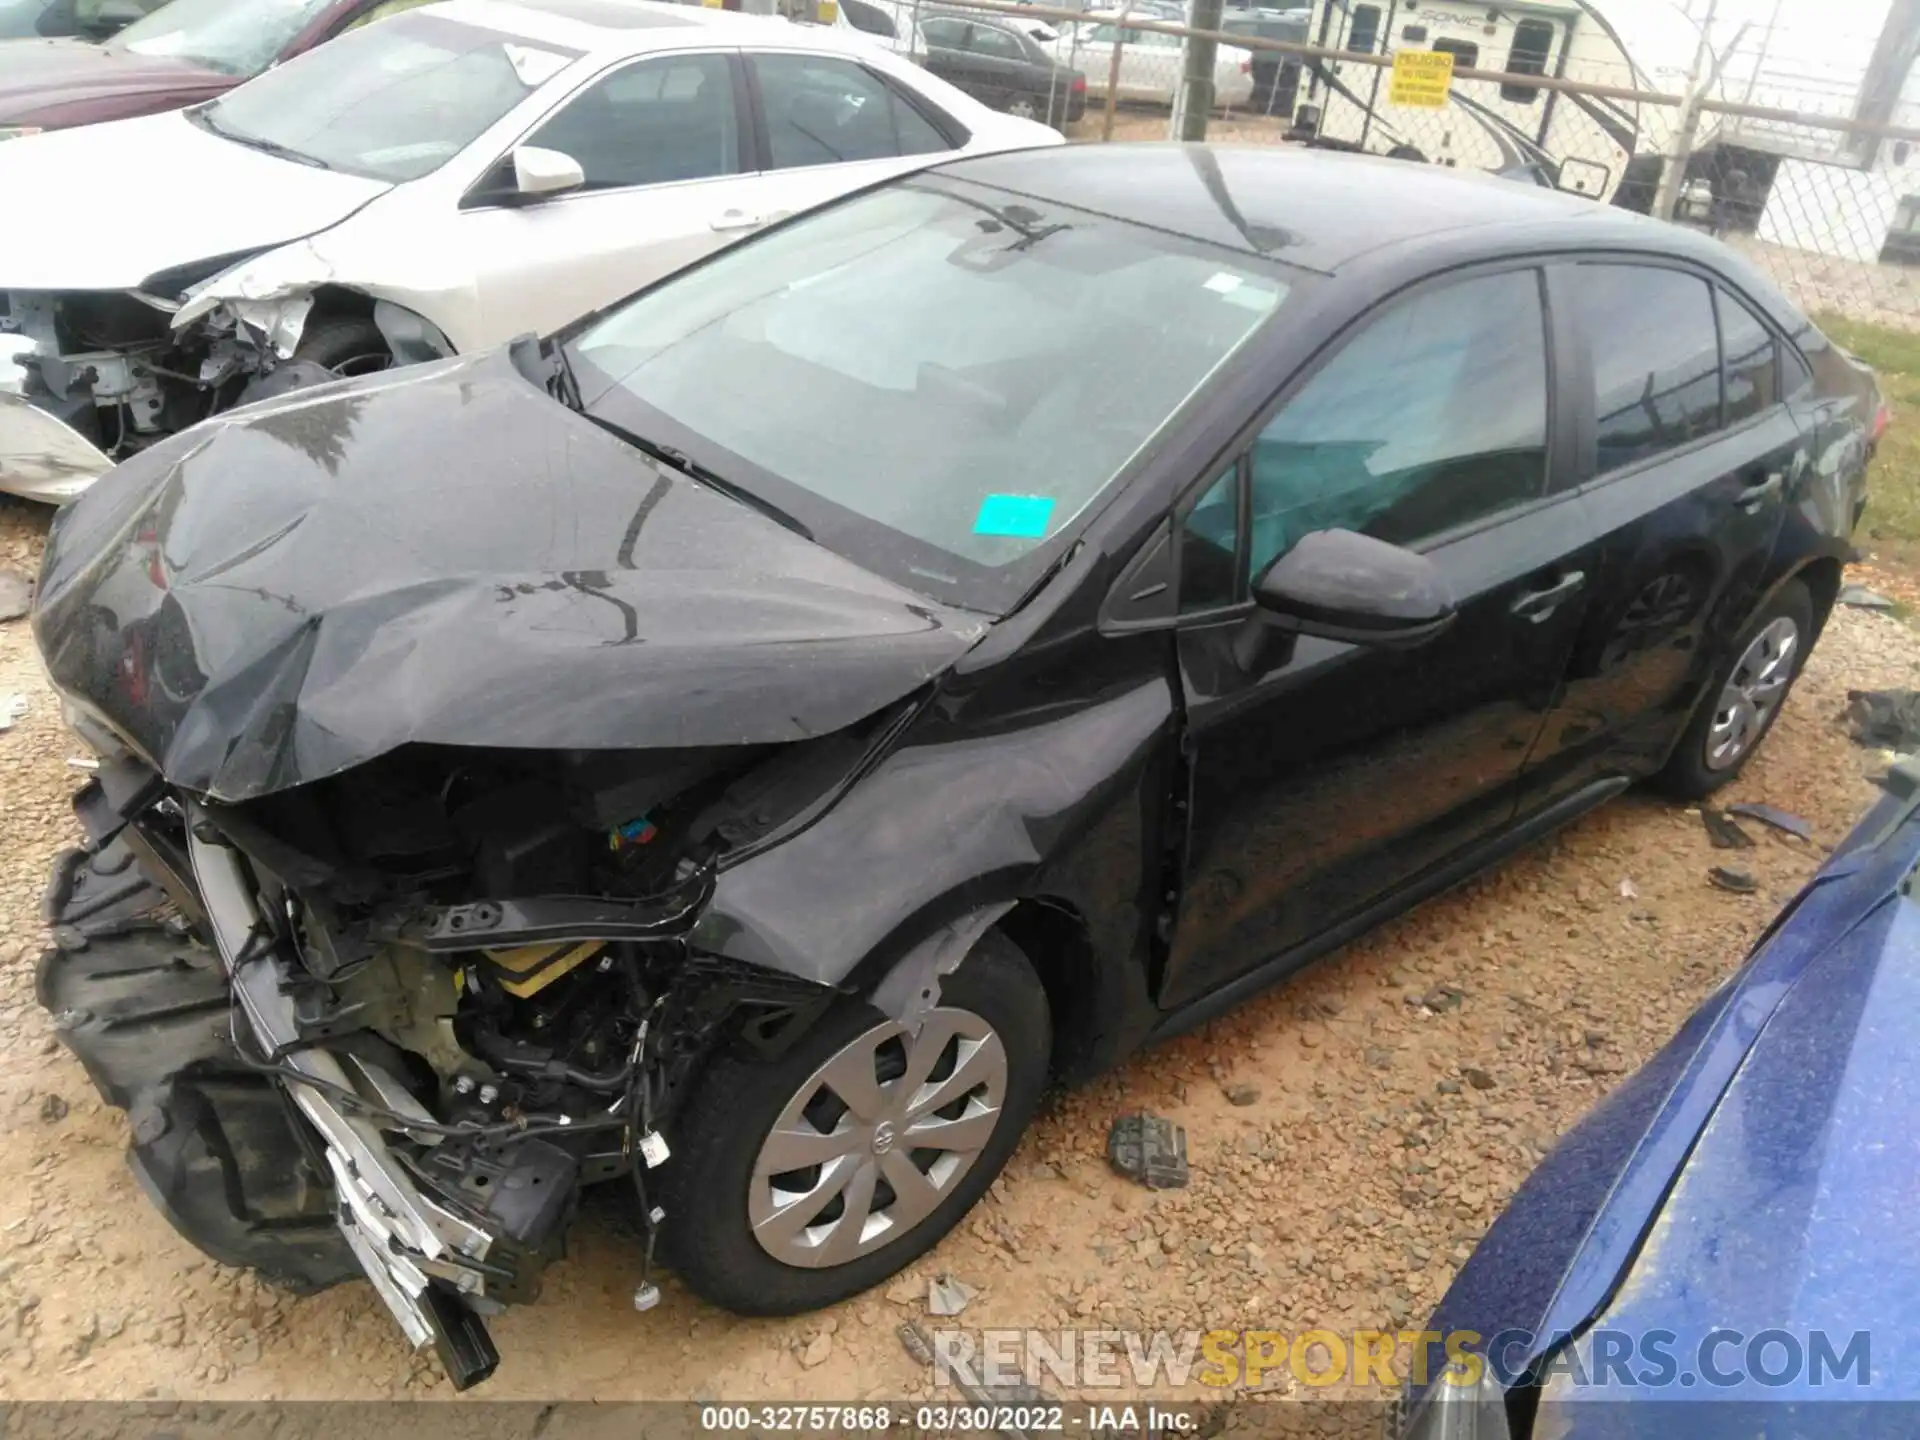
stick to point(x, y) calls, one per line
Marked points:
point(1757, 1174)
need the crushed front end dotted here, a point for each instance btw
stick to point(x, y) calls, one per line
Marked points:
point(392, 1023)
point(88, 378)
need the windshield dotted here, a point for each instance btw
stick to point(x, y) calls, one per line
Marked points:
point(393, 101)
point(235, 37)
point(938, 379)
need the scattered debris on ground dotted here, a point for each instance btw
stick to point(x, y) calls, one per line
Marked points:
point(1723, 831)
point(1629, 890)
point(16, 593)
point(1740, 882)
point(1861, 598)
point(1775, 819)
point(948, 1296)
point(12, 708)
point(1884, 719)
point(1150, 1149)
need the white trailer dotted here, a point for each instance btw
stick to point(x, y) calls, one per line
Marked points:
point(1593, 145)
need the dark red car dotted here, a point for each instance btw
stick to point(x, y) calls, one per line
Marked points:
point(182, 53)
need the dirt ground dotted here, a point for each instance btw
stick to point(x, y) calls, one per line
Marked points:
point(1368, 1141)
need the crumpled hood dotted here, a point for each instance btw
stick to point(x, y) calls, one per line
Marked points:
point(40, 75)
point(200, 197)
point(447, 555)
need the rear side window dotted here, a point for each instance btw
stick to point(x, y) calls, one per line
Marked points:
point(947, 33)
point(1656, 359)
point(1753, 361)
point(1532, 48)
point(1466, 54)
point(997, 43)
point(1433, 417)
point(822, 110)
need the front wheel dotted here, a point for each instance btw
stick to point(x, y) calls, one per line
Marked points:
point(798, 1182)
point(1745, 697)
point(346, 345)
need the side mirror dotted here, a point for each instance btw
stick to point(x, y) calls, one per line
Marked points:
point(538, 172)
point(1342, 586)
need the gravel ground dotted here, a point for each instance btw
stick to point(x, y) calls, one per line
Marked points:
point(1368, 1141)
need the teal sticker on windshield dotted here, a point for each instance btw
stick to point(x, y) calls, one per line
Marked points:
point(1022, 517)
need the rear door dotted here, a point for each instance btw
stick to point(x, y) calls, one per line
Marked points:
point(944, 38)
point(1690, 453)
point(1323, 775)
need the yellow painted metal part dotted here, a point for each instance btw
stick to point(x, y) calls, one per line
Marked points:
point(534, 967)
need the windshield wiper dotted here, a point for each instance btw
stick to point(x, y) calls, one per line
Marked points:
point(203, 117)
point(693, 469)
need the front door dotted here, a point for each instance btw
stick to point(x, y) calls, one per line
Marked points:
point(1695, 455)
point(662, 142)
point(1323, 775)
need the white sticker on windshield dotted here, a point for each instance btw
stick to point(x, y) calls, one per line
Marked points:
point(1224, 284)
point(534, 67)
point(1250, 297)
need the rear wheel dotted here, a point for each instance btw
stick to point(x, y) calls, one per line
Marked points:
point(1024, 109)
point(1745, 697)
point(797, 1182)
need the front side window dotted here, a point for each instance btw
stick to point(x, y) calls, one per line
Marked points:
point(393, 101)
point(649, 123)
point(1466, 54)
point(1753, 361)
point(1532, 48)
point(822, 110)
point(1433, 417)
point(1656, 359)
point(1209, 540)
point(937, 379)
point(235, 37)
point(1365, 31)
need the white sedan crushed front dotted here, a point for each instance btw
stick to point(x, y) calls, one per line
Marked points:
point(437, 182)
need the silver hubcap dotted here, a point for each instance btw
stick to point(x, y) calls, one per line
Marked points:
point(1023, 110)
point(876, 1138)
point(1754, 691)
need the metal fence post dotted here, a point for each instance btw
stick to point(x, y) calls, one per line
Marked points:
point(1193, 103)
point(1113, 73)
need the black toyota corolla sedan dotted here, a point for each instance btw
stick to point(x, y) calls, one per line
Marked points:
point(745, 746)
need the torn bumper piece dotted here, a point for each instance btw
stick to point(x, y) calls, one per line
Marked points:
point(403, 1240)
point(41, 456)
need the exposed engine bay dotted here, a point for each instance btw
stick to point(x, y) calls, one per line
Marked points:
point(393, 1021)
point(124, 369)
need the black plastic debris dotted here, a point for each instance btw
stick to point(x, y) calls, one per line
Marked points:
point(1884, 719)
point(1778, 819)
point(1861, 598)
point(1738, 881)
point(1149, 1149)
point(1723, 832)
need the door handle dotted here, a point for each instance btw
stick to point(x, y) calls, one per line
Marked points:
point(735, 220)
point(1538, 605)
point(1758, 492)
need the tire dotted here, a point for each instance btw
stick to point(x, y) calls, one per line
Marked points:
point(1701, 763)
point(1022, 108)
point(716, 1175)
point(346, 345)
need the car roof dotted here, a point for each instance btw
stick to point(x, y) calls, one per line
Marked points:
point(634, 26)
point(1317, 209)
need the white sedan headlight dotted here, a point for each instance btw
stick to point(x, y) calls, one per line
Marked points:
point(19, 132)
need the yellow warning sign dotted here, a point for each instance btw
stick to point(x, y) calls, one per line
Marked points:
point(1421, 78)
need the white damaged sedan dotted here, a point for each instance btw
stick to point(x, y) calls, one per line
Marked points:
point(435, 183)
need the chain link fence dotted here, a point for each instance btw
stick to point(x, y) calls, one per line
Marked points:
point(1774, 141)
